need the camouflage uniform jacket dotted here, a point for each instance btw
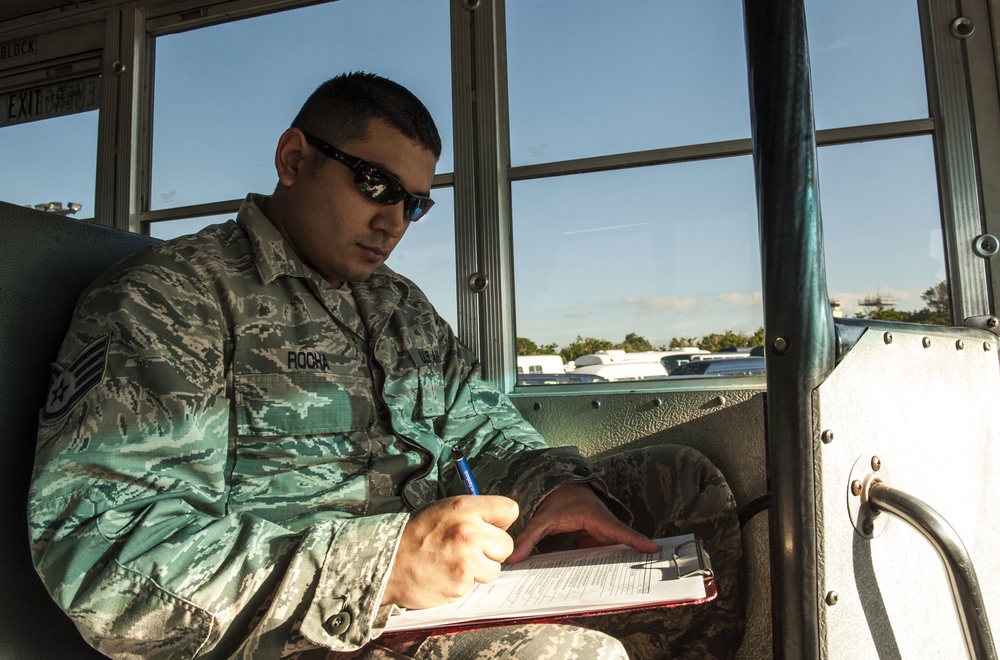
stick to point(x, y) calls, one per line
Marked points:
point(215, 473)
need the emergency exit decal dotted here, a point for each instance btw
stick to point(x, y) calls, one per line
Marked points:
point(53, 100)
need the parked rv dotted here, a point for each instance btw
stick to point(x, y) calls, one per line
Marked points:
point(624, 370)
point(540, 364)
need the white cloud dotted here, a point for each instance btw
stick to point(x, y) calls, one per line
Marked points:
point(654, 304)
point(740, 298)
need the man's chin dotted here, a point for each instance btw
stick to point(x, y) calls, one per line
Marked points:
point(361, 276)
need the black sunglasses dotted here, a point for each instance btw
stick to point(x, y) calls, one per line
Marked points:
point(376, 183)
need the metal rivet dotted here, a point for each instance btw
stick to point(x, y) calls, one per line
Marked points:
point(832, 597)
point(876, 463)
point(960, 344)
point(478, 282)
point(868, 527)
point(780, 345)
point(887, 337)
point(720, 400)
point(471, 4)
point(657, 403)
point(927, 342)
point(118, 67)
point(987, 346)
point(962, 27)
point(827, 436)
point(986, 245)
point(856, 487)
point(596, 404)
point(992, 322)
point(537, 406)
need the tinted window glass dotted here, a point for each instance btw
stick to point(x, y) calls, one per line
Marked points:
point(881, 223)
point(594, 78)
point(867, 62)
point(663, 252)
point(225, 93)
point(53, 160)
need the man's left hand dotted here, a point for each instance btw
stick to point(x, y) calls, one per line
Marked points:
point(577, 511)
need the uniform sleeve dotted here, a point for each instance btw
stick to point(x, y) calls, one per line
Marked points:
point(129, 513)
point(506, 454)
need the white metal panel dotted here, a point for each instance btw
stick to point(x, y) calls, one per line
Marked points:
point(928, 410)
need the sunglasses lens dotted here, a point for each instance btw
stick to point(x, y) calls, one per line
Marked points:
point(379, 186)
point(384, 189)
point(417, 207)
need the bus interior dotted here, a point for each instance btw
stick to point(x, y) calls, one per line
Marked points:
point(862, 459)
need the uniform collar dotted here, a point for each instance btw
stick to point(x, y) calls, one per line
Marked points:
point(274, 257)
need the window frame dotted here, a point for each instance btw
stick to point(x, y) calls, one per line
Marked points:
point(964, 122)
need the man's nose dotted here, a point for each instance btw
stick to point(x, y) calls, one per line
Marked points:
point(390, 221)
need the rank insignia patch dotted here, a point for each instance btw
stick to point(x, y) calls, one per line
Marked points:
point(68, 386)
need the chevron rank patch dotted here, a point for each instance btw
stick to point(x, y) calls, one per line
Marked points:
point(68, 386)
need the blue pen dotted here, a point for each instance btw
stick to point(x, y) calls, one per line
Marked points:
point(464, 472)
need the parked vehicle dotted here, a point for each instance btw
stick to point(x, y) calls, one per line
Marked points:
point(624, 371)
point(618, 356)
point(741, 366)
point(557, 379)
point(540, 364)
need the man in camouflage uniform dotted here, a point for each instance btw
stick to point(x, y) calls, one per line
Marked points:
point(246, 449)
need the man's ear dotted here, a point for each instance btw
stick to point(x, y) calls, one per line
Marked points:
point(291, 158)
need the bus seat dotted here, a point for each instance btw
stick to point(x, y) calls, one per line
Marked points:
point(45, 263)
point(724, 422)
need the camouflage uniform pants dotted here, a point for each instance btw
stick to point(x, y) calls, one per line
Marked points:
point(670, 490)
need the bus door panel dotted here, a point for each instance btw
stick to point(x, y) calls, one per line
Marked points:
point(915, 408)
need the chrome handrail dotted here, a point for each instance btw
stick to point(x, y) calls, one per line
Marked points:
point(965, 589)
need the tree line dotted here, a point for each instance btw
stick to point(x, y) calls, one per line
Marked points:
point(937, 311)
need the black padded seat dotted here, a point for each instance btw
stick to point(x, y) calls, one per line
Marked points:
point(46, 261)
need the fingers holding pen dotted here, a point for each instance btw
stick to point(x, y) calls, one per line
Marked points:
point(449, 546)
point(480, 522)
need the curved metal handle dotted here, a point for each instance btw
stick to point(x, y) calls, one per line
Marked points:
point(965, 589)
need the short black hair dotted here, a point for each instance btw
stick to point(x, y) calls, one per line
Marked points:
point(341, 109)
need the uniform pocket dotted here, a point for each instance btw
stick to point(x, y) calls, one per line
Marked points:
point(302, 402)
point(299, 380)
point(487, 400)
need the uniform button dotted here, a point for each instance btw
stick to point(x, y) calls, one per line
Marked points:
point(338, 623)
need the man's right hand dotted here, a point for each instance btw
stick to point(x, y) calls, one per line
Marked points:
point(449, 546)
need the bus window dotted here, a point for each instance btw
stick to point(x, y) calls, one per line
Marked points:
point(882, 226)
point(633, 84)
point(879, 199)
point(665, 250)
point(65, 150)
point(221, 101)
point(879, 59)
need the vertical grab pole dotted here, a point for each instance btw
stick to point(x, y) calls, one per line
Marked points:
point(798, 322)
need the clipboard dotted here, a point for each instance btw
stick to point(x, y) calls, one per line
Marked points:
point(578, 583)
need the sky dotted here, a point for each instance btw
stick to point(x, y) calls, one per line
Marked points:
point(667, 251)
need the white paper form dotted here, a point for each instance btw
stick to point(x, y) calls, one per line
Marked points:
point(573, 582)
